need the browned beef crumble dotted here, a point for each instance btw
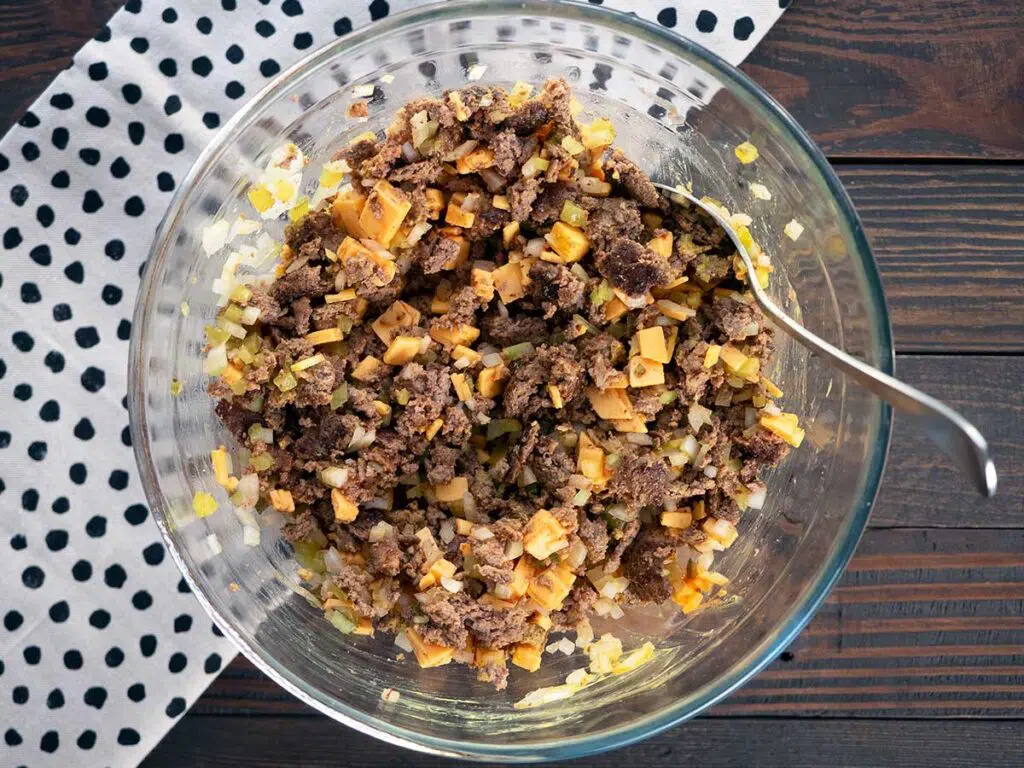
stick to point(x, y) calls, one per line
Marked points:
point(438, 492)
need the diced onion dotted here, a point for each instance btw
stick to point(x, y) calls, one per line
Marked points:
point(535, 246)
point(247, 494)
point(513, 549)
point(451, 585)
point(214, 544)
point(335, 477)
point(481, 533)
point(333, 561)
point(216, 361)
point(446, 531)
point(492, 179)
point(757, 498)
point(402, 641)
point(698, 416)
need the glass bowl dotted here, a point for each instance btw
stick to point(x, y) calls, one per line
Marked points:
point(679, 112)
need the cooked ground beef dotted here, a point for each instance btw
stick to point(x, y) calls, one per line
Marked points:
point(453, 408)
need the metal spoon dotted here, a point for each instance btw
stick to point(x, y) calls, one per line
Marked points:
point(957, 437)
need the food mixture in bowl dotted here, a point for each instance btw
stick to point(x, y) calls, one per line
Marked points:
point(496, 384)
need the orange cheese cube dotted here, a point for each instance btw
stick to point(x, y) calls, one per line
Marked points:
point(345, 211)
point(510, 281)
point(452, 337)
point(402, 350)
point(526, 656)
point(644, 372)
point(384, 211)
point(490, 382)
point(428, 654)
point(454, 490)
point(651, 343)
point(610, 403)
point(345, 510)
point(544, 535)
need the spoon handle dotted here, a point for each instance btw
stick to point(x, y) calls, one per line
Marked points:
point(951, 432)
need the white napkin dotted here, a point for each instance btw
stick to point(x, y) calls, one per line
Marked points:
point(101, 650)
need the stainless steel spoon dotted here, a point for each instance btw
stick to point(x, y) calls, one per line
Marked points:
point(955, 435)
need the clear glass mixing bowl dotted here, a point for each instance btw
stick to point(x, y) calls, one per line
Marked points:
point(679, 111)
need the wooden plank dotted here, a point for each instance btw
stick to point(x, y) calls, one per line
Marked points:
point(924, 623)
point(920, 487)
point(929, 78)
point(230, 742)
point(948, 244)
point(37, 41)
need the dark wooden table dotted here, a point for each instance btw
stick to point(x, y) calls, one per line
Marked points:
point(917, 658)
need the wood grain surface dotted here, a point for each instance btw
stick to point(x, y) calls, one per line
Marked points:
point(277, 742)
point(917, 658)
point(923, 78)
point(949, 241)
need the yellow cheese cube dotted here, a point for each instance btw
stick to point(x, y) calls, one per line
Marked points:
point(433, 428)
point(462, 351)
point(544, 535)
point(590, 459)
point(402, 350)
point(712, 355)
point(490, 382)
point(345, 510)
point(687, 598)
point(458, 217)
point(428, 654)
point(398, 315)
point(325, 336)
point(662, 244)
point(651, 343)
point(633, 424)
point(282, 500)
point(556, 396)
point(644, 372)
point(475, 161)
point(509, 232)
point(551, 586)
point(501, 203)
point(453, 490)
point(770, 387)
point(384, 211)
point(434, 202)
point(732, 358)
point(483, 284)
point(221, 467)
point(679, 519)
point(614, 308)
point(526, 656)
point(509, 282)
point(367, 368)
point(463, 527)
point(568, 241)
point(610, 403)
point(461, 334)
point(345, 211)
point(784, 425)
point(462, 388)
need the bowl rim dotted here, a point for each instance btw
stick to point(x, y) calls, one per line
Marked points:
point(748, 665)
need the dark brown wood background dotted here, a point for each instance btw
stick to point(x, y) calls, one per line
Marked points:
point(917, 658)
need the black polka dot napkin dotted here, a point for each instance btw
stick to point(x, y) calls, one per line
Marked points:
point(102, 647)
